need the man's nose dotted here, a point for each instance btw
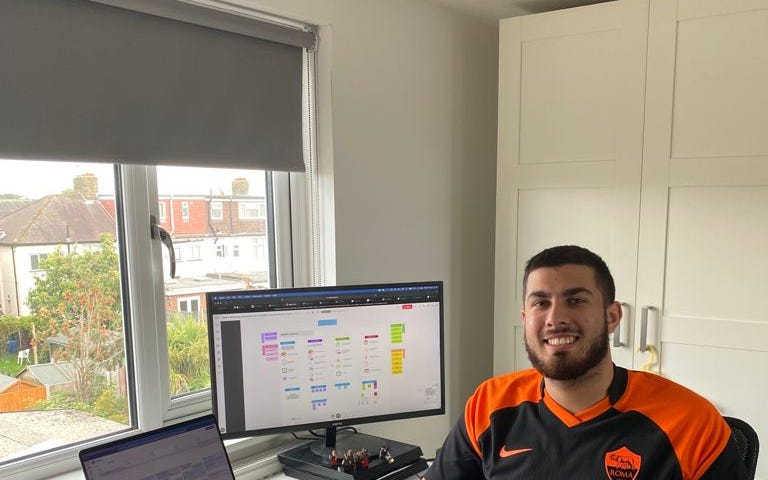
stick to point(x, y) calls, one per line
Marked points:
point(557, 315)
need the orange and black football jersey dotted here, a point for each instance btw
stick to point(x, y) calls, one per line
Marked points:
point(647, 428)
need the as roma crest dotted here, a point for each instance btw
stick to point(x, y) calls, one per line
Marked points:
point(622, 464)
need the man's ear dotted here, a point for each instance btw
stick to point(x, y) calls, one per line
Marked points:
point(613, 316)
point(522, 316)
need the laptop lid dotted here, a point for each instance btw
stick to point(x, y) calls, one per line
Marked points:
point(190, 449)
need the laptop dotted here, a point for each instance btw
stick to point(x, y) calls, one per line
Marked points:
point(190, 449)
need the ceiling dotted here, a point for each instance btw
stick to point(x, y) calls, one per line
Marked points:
point(493, 10)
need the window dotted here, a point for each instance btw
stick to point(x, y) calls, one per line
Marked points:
point(187, 253)
point(35, 259)
point(71, 318)
point(108, 375)
point(114, 263)
point(260, 248)
point(251, 210)
point(217, 210)
point(189, 305)
point(188, 310)
point(222, 269)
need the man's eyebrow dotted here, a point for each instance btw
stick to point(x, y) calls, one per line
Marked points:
point(576, 291)
point(566, 293)
point(538, 294)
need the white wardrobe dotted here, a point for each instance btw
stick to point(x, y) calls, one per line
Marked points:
point(639, 129)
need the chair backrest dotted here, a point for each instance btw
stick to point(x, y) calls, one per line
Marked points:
point(749, 444)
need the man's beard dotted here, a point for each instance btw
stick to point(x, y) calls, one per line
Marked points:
point(563, 367)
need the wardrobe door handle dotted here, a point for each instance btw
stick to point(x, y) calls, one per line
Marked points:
point(644, 328)
point(617, 333)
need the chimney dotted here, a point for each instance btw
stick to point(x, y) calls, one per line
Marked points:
point(87, 185)
point(240, 186)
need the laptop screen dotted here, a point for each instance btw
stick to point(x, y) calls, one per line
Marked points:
point(191, 449)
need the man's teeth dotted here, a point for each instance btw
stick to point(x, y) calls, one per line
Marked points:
point(561, 340)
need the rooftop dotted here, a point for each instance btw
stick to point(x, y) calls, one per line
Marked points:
point(51, 373)
point(56, 219)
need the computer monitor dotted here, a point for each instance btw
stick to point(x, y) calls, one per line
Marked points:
point(294, 359)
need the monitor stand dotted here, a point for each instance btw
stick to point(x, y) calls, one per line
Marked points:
point(313, 461)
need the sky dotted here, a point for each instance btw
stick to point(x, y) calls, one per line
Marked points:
point(37, 179)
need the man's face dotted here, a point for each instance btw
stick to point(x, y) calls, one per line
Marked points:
point(565, 322)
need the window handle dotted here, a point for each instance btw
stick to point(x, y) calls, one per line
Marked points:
point(165, 237)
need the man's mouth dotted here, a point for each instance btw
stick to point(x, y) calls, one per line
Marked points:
point(560, 340)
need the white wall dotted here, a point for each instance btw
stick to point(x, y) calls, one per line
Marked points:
point(413, 115)
point(7, 281)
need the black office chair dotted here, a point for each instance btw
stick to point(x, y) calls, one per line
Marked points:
point(746, 439)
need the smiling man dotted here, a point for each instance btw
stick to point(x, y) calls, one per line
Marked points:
point(576, 414)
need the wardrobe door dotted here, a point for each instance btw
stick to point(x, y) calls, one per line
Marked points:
point(703, 258)
point(571, 98)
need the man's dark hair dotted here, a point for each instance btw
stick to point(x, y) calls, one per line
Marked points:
point(574, 255)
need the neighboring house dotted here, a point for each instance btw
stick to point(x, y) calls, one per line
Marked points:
point(220, 243)
point(53, 376)
point(186, 296)
point(17, 394)
point(68, 221)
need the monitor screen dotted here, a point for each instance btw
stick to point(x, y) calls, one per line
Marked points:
point(323, 357)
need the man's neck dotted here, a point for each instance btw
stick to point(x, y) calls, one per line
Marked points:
point(583, 392)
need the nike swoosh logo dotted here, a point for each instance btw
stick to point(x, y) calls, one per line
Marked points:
point(504, 453)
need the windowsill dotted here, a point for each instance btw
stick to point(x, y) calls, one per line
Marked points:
point(75, 475)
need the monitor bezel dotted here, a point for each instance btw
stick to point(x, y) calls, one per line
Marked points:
point(345, 422)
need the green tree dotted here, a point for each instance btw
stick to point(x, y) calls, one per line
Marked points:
point(188, 355)
point(79, 299)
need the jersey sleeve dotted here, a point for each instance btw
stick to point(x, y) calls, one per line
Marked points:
point(457, 459)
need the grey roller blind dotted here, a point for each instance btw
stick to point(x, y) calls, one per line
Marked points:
point(88, 81)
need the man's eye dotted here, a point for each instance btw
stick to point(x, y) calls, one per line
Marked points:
point(576, 300)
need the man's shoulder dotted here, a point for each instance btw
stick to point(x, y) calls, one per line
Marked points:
point(685, 416)
point(664, 388)
point(666, 401)
point(514, 387)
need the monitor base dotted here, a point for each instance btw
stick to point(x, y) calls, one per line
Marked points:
point(304, 463)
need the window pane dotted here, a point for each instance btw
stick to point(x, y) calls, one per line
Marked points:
point(215, 217)
point(63, 375)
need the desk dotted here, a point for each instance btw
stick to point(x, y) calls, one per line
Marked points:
point(282, 476)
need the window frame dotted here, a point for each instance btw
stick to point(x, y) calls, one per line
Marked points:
point(295, 208)
point(217, 210)
point(34, 261)
point(188, 302)
point(251, 210)
point(136, 198)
